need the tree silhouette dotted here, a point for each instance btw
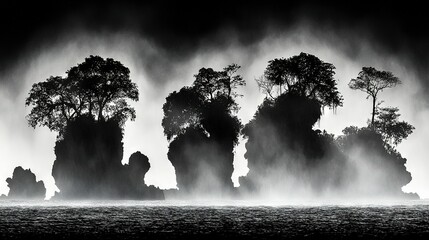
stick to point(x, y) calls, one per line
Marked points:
point(212, 83)
point(388, 125)
point(303, 75)
point(282, 147)
point(203, 130)
point(181, 110)
point(97, 87)
point(88, 108)
point(186, 108)
point(372, 82)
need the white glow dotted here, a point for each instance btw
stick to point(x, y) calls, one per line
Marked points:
point(21, 145)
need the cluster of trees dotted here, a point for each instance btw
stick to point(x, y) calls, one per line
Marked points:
point(89, 106)
point(88, 109)
point(282, 146)
point(98, 88)
point(303, 75)
point(376, 143)
point(282, 142)
point(201, 125)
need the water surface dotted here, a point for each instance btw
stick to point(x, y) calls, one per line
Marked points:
point(200, 220)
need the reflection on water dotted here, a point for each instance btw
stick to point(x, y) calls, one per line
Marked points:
point(225, 220)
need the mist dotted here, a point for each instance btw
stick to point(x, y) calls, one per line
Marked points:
point(158, 70)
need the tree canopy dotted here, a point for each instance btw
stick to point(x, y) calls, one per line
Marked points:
point(181, 110)
point(303, 75)
point(391, 129)
point(212, 90)
point(200, 123)
point(386, 124)
point(97, 87)
point(372, 82)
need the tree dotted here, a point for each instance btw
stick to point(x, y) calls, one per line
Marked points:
point(231, 80)
point(211, 83)
point(282, 146)
point(303, 75)
point(186, 108)
point(391, 129)
point(181, 110)
point(97, 87)
point(200, 124)
point(372, 82)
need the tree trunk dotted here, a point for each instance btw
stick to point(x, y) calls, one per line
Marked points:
point(90, 108)
point(100, 113)
point(373, 112)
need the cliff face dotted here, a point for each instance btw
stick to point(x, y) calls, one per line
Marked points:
point(285, 155)
point(380, 170)
point(23, 185)
point(88, 164)
point(288, 158)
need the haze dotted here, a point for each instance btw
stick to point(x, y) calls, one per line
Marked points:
point(157, 74)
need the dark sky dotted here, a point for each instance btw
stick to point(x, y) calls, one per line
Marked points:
point(179, 29)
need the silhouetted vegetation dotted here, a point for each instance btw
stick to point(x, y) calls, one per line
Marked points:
point(391, 129)
point(97, 87)
point(23, 185)
point(282, 147)
point(372, 82)
point(88, 108)
point(373, 147)
point(302, 75)
point(203, 130)
point(287, 157)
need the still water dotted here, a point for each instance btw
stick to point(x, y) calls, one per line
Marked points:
point(219, 220)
